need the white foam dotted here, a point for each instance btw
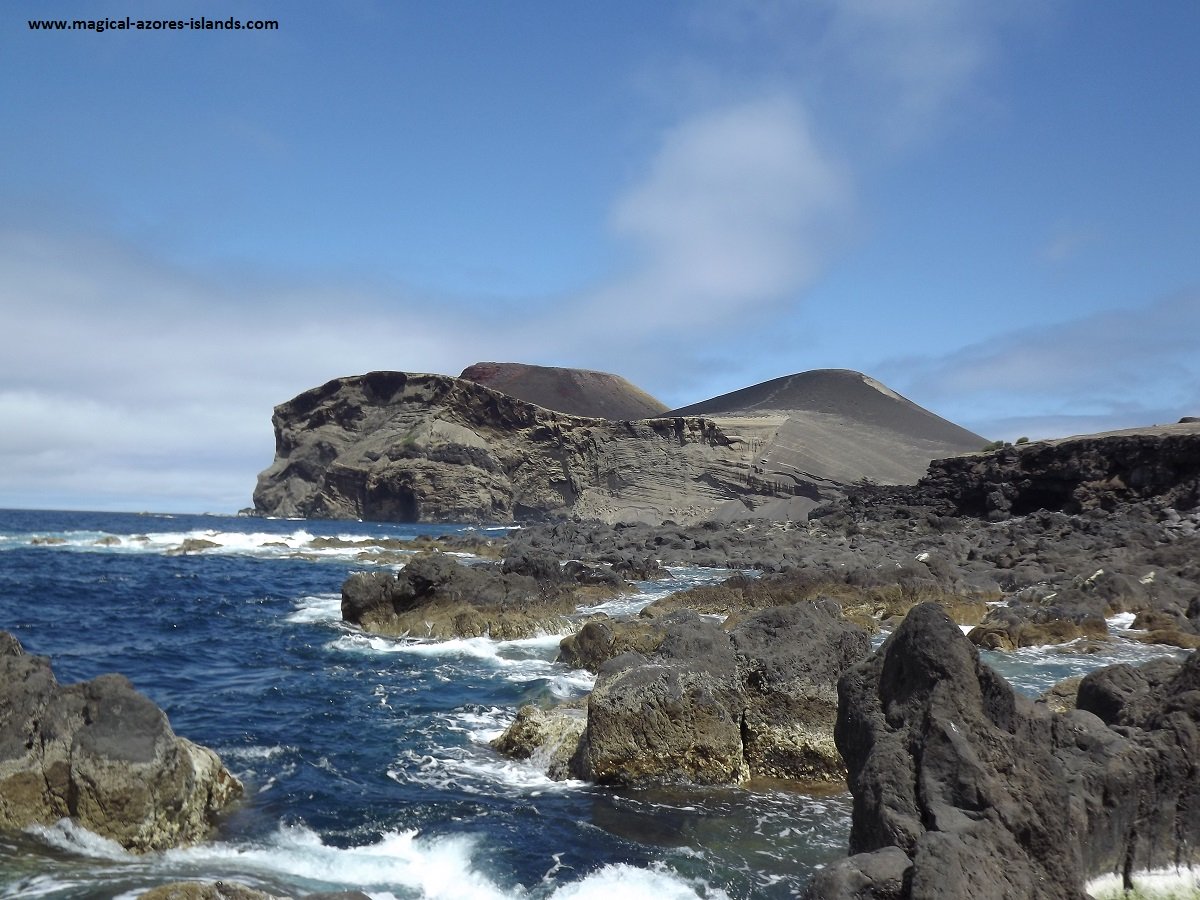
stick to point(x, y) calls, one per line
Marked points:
point(527, 659)
point(252, 752)
point(476, 770)
point(299, 543)
point(436, 867)
point(433, 867)
point(75, 839)
point(1169, 884)
point(317, 608)
point(1123, 621)
point(630, 883)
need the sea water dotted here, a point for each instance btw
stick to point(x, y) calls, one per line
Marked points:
point(366, 759)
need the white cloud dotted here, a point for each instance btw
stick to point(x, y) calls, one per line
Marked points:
point(123, 373)
point(893, 73)
point(1111, 369)
point(740, 209)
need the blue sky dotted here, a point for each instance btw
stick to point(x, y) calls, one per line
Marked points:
point(991, 207)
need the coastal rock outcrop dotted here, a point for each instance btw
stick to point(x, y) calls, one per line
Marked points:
point(1098, 471)
point(394, 446)
point(434, 596)
point(964, 789)
point(680, 699)
point(103, 755)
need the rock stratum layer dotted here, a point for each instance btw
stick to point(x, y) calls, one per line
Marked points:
point(102, 755)
point(393, 446)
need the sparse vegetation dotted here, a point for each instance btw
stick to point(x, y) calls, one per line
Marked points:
point(1022, 440)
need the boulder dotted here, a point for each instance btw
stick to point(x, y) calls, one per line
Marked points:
point(675, 716)
point(603, 638)
point(103, 755)
point(548, 737)
point(789, 661)
point(435, 596)
point(989, 795)
point(697, 704)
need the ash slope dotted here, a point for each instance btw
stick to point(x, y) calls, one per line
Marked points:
point(577, 392)
point(834, 425)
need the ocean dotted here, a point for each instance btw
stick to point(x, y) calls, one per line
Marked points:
point(366, 759)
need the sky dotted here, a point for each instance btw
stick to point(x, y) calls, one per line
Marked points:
point(993, 208)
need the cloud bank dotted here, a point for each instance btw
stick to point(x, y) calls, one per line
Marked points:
point(1111, 369)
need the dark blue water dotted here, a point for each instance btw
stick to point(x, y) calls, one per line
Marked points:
point(365, 759)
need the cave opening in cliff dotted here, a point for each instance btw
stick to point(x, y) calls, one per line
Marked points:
point(1057, 498)
point(398, 505)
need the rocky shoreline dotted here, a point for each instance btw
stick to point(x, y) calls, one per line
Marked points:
point(962, 787)
point(102, 755)
point(965, 789)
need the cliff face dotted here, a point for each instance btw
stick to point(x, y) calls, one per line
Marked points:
point(393, 446)
point(1074, 474)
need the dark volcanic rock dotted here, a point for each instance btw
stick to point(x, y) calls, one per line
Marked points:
point(395, 446)
point(434, 596)
point(789, 661)
point(102, 755)
point(600, 640)
point(989, 795)
point(1074, 474)
point(679, 699)
point(676, 717)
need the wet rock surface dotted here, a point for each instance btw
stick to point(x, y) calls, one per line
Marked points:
point(986, 794)
point(680, 699)
point(103, 755)
point(435, 596)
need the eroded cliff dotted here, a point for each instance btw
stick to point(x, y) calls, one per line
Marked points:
point(395, 446)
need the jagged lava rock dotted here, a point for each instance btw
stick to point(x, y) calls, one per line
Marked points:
point(434, 596)
point(103, 755)
point(1074, 474)
point(989, 795)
